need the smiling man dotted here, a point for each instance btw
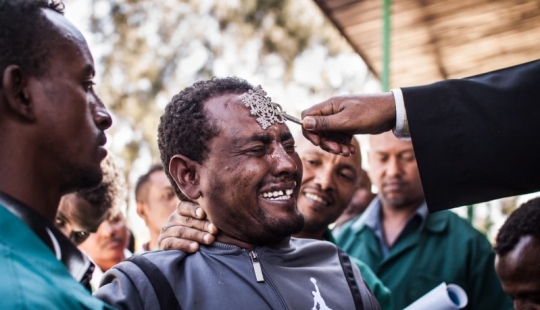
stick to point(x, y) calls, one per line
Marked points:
point(51, 143)
point(226, 148)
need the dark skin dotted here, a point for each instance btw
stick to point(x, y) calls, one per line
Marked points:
point(393, 169)
point(360, 200)
point(328, 183)
point(519, 271)
point(77, 218)
point(327, 186)
point(348, 115)
point(245, 164)
point(52, 127)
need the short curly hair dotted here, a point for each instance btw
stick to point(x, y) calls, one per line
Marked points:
point(525, 221)
point(26, 35)
point(185, 127)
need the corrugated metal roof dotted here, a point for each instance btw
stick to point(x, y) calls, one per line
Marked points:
point(440, 39)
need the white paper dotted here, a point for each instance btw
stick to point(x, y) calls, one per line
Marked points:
point(443, 297)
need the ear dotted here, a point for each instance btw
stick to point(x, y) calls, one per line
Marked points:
point(141, 210)
point(15, 86)
point(185, 173)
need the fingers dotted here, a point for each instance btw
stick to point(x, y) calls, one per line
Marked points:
point(183, 238)
point(190, 209)
point(337, 148)
point(312, 137)
point(351, 114)
point(176, 219)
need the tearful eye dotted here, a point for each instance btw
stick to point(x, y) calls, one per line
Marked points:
point(289, 148)
point(257, 151)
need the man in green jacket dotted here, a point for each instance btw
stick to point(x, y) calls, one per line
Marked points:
point(410, 250)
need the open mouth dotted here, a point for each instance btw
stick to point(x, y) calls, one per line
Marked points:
point(283, 193)
point(317, 198)
point(278, 195)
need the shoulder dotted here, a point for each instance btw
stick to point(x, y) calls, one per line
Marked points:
point(454, 227)
point(312, 245)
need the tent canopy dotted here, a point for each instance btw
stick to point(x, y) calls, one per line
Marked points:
point(440, 39)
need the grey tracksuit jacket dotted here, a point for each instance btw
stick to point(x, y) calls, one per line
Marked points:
point(297, 274)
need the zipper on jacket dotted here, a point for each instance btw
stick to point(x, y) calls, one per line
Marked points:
point(256, 266)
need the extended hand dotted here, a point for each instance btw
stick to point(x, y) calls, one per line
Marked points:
point(186, 229)
point(328, 123)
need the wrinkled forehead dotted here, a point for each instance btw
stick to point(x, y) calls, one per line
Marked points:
point(387, 141)
point(234, 117)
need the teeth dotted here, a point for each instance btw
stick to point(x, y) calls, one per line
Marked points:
point(316, 198)
point(278, 195)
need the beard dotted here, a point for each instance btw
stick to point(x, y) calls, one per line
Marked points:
point(83, 178)
point(275, 230)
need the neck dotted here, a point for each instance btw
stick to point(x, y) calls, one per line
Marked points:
point(394, 218)
point(244, 245)
point(241, 244)
point(318, 235)
point(152, 244)
point(22, 182)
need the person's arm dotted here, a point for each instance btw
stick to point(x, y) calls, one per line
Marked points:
point(476, 139)
point(381, 292)
point(119, 291)
point(351, 114)
point(186, 229)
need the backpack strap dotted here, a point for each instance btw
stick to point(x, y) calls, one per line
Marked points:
point(359, 291)
point(164, 292)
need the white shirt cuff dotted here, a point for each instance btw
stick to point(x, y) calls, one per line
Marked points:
point(401, 131)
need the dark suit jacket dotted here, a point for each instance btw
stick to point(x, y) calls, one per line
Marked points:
point(477, 139)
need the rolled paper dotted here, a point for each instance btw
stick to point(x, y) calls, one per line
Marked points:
point(442, 297)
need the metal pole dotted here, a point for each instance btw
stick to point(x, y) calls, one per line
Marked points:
point(386, 45)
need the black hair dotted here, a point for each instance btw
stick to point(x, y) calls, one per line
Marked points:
point(106, 195)
point(140, 186)
point(26, 34)
point(185, 128)
point(525, 221)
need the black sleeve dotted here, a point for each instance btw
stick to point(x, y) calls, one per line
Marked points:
point(475, 139)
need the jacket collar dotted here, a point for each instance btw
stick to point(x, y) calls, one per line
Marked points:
point(372, 217)
point(78, 265)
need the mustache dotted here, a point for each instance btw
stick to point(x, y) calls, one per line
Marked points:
point(112, 239)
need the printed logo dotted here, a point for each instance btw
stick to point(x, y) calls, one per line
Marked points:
point(318, 301)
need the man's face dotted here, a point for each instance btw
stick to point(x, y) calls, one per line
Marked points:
point(106, 246)
point(519, 271)
point(71, 117)
point(160, 201)
point(394, 171)
point(328, 184)
point(77, 218)
point(251, 178)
